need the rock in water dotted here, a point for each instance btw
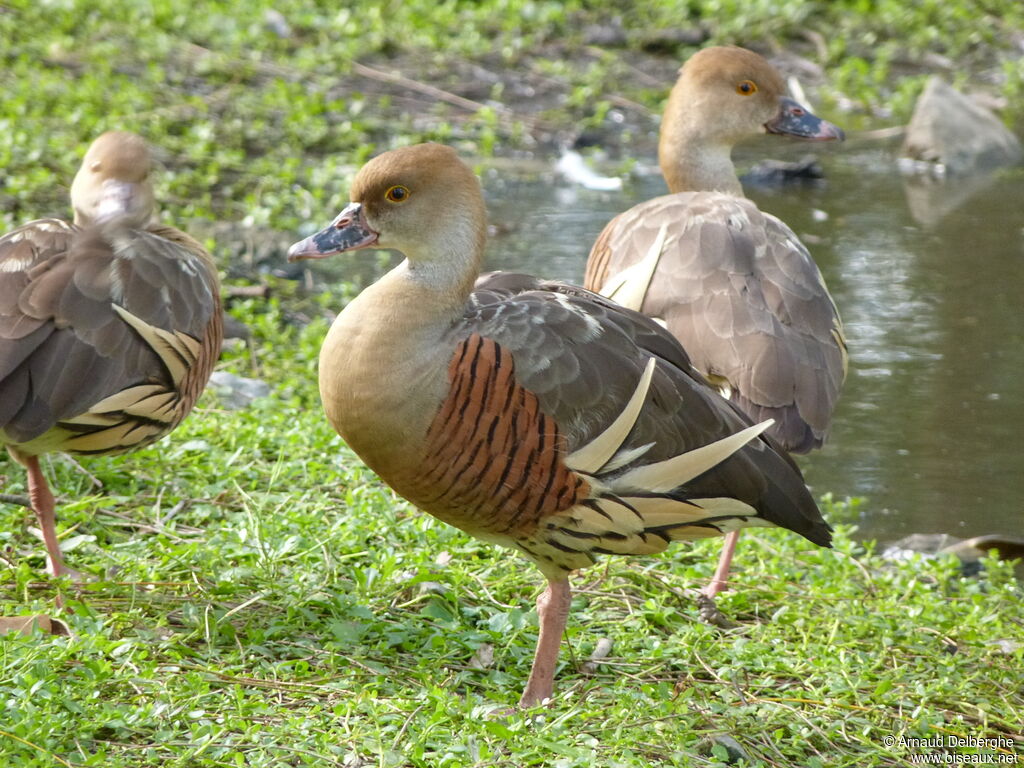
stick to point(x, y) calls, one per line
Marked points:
point(951, 134)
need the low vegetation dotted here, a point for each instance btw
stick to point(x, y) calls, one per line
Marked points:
point(261, 110)
point(262, 600)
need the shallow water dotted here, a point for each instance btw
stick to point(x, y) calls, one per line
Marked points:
point(929, 426)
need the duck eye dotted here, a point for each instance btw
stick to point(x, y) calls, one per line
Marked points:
point(746, 88)
point(397, 194)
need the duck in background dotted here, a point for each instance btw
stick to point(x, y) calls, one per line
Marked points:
point(109, 326)
point(734, 284)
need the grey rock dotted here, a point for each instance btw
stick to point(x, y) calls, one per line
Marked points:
point(733, 749)
point(918, 543)
point(968, 550)
point(1006, 547)
point(236, 392)
point(235, 329)
point(958, 135)
point(610, 35)
point(778, 173)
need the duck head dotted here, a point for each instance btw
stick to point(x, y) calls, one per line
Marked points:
point(422, 201)
point(113, 185)
point(723, 95)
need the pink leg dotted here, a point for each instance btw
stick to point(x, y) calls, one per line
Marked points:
point(552, 613)
point(43, 504)
point(721, 577)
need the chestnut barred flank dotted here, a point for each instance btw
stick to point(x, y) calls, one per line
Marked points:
point(531, 414)
point(491, 452)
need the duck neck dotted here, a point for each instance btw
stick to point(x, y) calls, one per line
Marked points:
point(442, 267)
point(443, 282)
point(383, 366)
point(427, 292)
point(693, 158)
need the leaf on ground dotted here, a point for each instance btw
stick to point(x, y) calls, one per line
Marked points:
point(483, 658)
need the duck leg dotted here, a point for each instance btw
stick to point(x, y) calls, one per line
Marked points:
point(43, 504)
point(706, 599)
point(552, 613)
point(721, 578)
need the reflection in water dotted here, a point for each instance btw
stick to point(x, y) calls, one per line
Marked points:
point(931, 201)
point(929, 426)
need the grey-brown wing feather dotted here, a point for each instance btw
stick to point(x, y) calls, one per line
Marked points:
point(583, 355)
point(739, 290)
point(63, 347)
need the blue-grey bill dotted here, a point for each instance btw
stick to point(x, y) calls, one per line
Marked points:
point(347, 232)
point(794, 120)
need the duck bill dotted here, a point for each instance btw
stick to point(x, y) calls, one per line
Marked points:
point(794, 120)
point(117, 200)
point(348, 232)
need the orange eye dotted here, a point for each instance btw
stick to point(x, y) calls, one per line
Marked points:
point(746, 88)
point(397, 194)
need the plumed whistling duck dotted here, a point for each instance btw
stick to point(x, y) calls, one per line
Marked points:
point(531, 414)
point(109, 326)
point(734, 284)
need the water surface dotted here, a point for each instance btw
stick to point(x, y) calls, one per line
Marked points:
point(929, 426)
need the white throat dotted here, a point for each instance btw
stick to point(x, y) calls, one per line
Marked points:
point(442, 260)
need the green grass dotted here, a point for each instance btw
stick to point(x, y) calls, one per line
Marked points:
point(267, 129)
point(293, 611)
